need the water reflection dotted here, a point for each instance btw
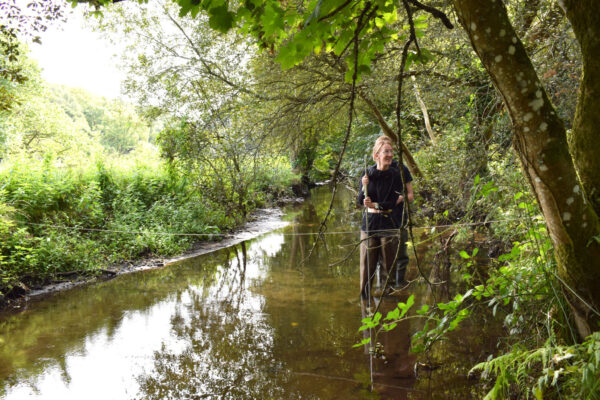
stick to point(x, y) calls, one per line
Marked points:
point(227, 351)
point(258, 320)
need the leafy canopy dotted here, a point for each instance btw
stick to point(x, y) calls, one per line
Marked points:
point(296, 29)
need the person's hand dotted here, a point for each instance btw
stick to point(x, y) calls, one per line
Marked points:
point(400, 199)
point(365, 181)
point(368, 203)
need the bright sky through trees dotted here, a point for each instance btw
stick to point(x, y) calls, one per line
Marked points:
point(72, 54)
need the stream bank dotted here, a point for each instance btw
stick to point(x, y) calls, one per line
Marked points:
point(260, 222)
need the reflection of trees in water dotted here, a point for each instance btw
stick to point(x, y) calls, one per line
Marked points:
point(43, 337)
point(236, 337)
point(227, 346)
point(443, 369)
point(330, 248)
point(231, 285)
point(60, 325)
point(226, 356)
point(300, 238)
point(435, 264)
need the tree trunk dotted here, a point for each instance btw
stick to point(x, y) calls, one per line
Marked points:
point(424, 111)
point(541, 143)
point(585, 134)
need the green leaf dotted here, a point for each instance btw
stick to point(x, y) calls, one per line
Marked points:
point(377, 318)
point(420, 18)
point(405, 307)
point(343, 41)
point(363, 69)
point(370, 322)
point(362, 342)
point(286, 56)
point(389, 327)
point(349, 75)
point(220, 18)
point(185, 7)
point(390, 17)
point(518, 195)
point(272, 21)
point(464, 254)
point(392, 315)
point(409, 60)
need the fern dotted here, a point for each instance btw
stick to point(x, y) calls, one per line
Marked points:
point(571, 370)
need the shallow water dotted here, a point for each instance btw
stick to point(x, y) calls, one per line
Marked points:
point(259, 320)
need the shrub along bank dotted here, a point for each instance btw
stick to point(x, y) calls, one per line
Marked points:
point(57, 220)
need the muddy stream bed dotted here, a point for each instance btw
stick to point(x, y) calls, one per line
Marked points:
point(251, 321)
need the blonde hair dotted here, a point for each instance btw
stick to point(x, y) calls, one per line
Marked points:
point(381, 140)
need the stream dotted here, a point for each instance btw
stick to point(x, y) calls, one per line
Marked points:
point(257, 320)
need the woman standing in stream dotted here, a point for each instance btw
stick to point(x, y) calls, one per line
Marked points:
point(383, 234)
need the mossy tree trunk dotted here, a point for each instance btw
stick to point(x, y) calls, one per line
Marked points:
point(584, 140)
point(540, 140)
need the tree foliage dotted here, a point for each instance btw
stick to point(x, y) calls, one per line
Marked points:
point(198, 81)
point(70, 124)
point(20, 21)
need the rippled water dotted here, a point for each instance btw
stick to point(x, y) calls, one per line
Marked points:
point(259, 320)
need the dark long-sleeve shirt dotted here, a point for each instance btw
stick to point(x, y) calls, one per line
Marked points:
point(384, 188)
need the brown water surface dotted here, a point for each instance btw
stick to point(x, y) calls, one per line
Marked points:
point(252, 321)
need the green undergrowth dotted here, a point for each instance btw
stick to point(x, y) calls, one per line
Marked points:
point(56, 219)
point(540, 354)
